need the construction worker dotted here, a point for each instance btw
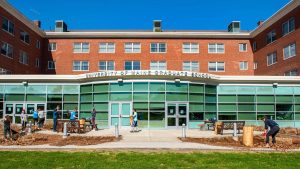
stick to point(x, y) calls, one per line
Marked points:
point(274, 129)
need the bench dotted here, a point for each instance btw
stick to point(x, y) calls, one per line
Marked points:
point(229, 125)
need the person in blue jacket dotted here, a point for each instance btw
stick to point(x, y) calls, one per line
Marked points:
point(274, 129)
point(35, 117)
point(55, 116)
point(73, 115)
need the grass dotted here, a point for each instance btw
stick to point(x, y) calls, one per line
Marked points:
point(119, 160)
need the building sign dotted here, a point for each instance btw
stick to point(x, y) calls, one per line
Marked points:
point(167, 73)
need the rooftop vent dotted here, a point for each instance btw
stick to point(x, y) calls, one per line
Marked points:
point(235, 26)
point(259, 23)
point(61, 26)
point(37, 23)
point(157, 26)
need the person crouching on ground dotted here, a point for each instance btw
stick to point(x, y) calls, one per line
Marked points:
point(274, 129)
point(23, 119)
point(7, 123)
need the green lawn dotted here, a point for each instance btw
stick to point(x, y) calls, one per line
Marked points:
point(135, 160)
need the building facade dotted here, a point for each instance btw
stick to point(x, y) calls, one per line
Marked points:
point(170, 77)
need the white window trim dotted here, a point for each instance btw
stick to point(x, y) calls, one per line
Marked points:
point(12, 34)
point(216, 67)
point(244, 65)
point(132, 47)
point(23, 40)
point(132, 64)
point(81, 47)
point(288, 22)
point(255, 65)
point(51, 48)
point(21, 55)
point(272, 59)
point(190, 66)
point(289, 46)
point(54, 63)
point(289, 72)
point(12, 50)
point(254, 46)
point(272, 41)
point(190, 49)
point(158, 47)
point(106, 65)
point(216, 45)
point(158, 62)
point(240, 48)
point(80, 66)
point(106, 47)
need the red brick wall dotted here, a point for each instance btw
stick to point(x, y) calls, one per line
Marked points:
point(263, 49)
point(14, 40)
point(174, 57)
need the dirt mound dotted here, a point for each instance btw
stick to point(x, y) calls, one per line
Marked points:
point(56, 140)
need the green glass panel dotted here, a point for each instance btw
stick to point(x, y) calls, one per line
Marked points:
point(284, 99)
point(54, 89)
point(246, 90)
point(297, 90)
point(227, 107)
point(86, 107)
point(211, 107)
point(157, 105)
point(126, 109)
point(118, 96)
point(140, 86)
point(227, 89)
point(1, 88)
point(210, 89)
point(143, 106)
point(157, 119)
point(36, 97)
point(14, 89)
point(14, 97)
point(86, 89)
point(36, 89)
point(266, 113)
point(102, 116)
point(196, 116)
point(156, 97)
point(120, 87)
point(209, 115)
point(196, 88)
point(140, 96)
point(54, 97)
point(284, 115)
point(125, 121)
point(284, 107)
point(52, 106)
point(86, 98)
point(71, 98)
point(177, 87)
point(247, 99)
point(227, 99)
point(101, 124)
point(156, 86)
point(246, 107)
point(115, 109)
point(297, 99)
point(196, 97)
point(227, 113)
point(227, 117)
point(99, 88)
point(101, 106)
point(71, 89)
point(194, 107)
point(115, 120)
point(284, 90)
point(85, 115)
point(247, 116)
point(297, 108)
point(177, 97)
point(265, 90)
point(210, 98)
point(103, 97)
point(265, 107)
point(70, 106)
point(297, 116)
point(265, 99)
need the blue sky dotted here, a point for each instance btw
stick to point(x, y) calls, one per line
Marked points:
point(139, 14)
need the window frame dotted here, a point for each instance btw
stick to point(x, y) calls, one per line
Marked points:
point(289, 50)
point(37, 62)
point(38, 44)
point(81, 47)
point(53, 63)
point(81, 65)
point(50, 46)
point(288, 22)
point(23, 58)
point(216, 47)
point(158, 64)
point(7, 47)
point(106, 47)
point(246, 47)
point(242, 65)
point(269, 55)
point(216, 65)
point(271, 37)
point(106, 65)
point(132, 65)
point(9, 23)
point(191, 66)
point(132, 47)
point(23, 35)
point(158, 47)
point(190, 47)
point(289, 73)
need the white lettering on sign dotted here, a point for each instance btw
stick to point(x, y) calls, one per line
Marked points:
point(167, 73)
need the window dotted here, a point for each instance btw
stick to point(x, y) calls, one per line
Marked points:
point(132, 65)
point(52, 46)
point(37, 62)
point(216, 66)
point(8, 26)
point(291, 73)
point(23, 58)
point(288, 26)
point(190, 48)
point(132, 47)
point(24, 36)
point(80, 65)
point(5, 71)
point(190, 66)
point(51, 65)
point(106, 65)
point(107, 47)
point(216, 48)
point(38, 44)
point(243, 65)
point(7, 50)
point(271, 37)
point(243, 47)
point(158, 65)
point(254, 46)
point(255, 65)
point(272, 58)
point(158, 47)
point(289, 51)
point(81, 47)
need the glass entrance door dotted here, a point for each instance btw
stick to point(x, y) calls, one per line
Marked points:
point(176, 114)
point(120, 113)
